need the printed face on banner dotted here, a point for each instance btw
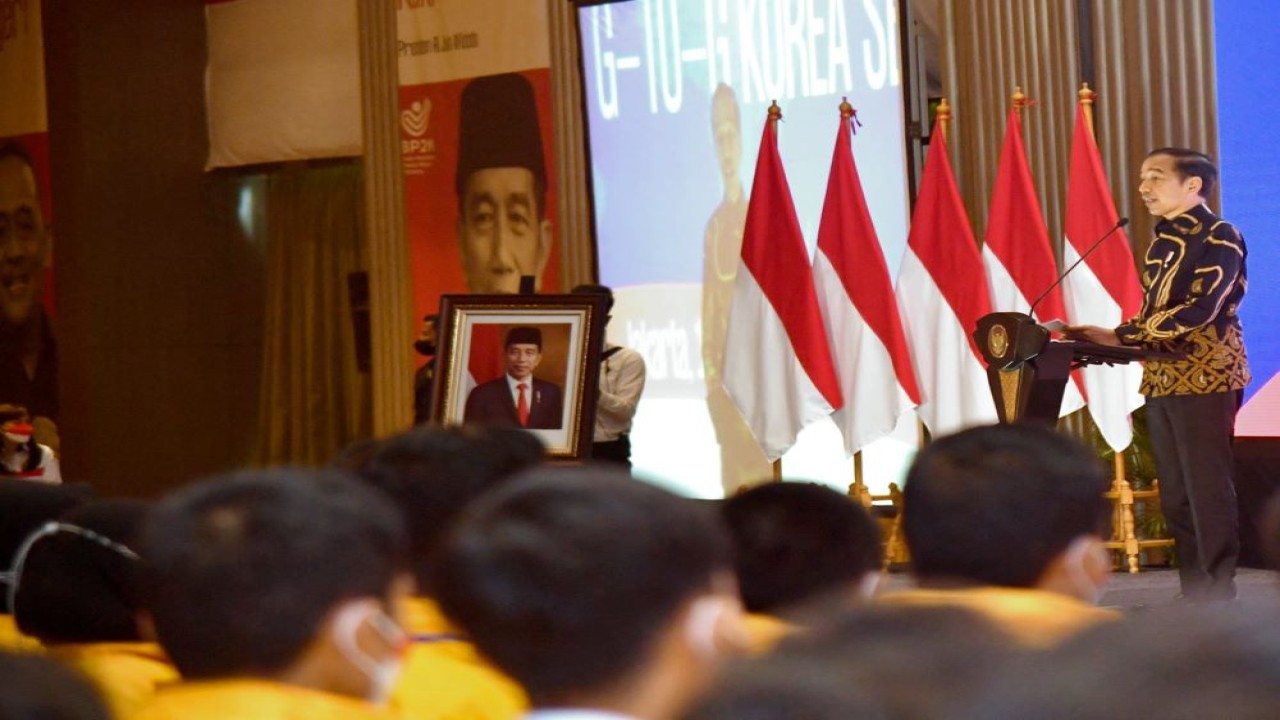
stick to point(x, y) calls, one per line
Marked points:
point(502, 234)
point(24, 242)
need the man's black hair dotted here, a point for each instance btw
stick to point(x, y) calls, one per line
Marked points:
point(24, 507)
point(78, 587)
point(38, 688)
point(241, 570)
point(797, 542)
point(996, 504)
point(906, 663)
point(523, 335)
point(565, 577)
point(1170, 662)
point(433, 473)
point(600, 290)
point(1192, 163)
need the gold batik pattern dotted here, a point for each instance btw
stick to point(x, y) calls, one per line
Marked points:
point(1213, 364)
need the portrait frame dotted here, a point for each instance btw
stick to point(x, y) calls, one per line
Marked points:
point(472, 357)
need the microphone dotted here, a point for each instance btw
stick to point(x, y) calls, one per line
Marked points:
point(1119, 224)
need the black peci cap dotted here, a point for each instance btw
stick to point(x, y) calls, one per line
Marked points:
point(499, 128)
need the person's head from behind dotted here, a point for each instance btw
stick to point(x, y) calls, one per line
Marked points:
point(503, 233)
point(600, 291)
point(433, 473)
point(286, 575)
point(1173, 663)
point(1173, 180)
point(523, 351)
point(797, 544)
point(76, 580)
point(1008, 505)
point(593, 590)
point(38, 688)
point(25, 243)
point(875, 661)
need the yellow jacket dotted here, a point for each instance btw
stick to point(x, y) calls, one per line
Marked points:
point(12, 639)
point(127, 674)
point(446, 679)
point(765, 631)
point(1036, 618)
point(249, 699)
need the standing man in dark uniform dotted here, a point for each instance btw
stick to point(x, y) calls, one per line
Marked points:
point(1193, 277)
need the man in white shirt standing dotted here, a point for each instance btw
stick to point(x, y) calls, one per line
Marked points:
point(622, 375)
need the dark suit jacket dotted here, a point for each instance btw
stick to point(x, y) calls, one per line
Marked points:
point(491, 404)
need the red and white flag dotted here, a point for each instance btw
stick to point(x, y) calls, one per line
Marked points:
point(858, 307)
point(941, 294)
point(777, 363)
point(1017, 254)
point(1104, 289)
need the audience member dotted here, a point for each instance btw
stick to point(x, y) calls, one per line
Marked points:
point(800, 550)
point(1172, 663)
point(432, 474)
point(24, 507)
point(37, 688)
point(1009, 520)
point(598, 593)
point(75, 589)
point(276, 593)
point(903, 663)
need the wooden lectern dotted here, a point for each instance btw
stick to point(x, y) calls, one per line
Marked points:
point(1028, 372)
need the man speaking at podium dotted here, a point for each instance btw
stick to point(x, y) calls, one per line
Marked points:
point(1193, 278)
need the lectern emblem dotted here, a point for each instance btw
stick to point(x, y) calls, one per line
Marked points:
point(997, 341)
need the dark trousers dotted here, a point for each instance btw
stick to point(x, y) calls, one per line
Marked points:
point(1191, 438)
point(615, 451)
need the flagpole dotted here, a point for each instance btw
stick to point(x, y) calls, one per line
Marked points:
point(1086, 102)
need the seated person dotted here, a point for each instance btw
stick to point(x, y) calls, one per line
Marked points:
point(37, 688)
point(24, 507)
point(276, 595)
point(518, 399)
point(20, 455)
point(599, 594)
point(869, 662)
point(433, 474)
point(75, 590)
point(800, 550)
point(1175, 662)
point(1009, 520)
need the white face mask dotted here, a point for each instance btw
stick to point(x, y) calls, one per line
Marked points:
point(382, 674)
point(701, 626)
point(1074, 560)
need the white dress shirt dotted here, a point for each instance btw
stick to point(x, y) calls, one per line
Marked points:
point(621, 382)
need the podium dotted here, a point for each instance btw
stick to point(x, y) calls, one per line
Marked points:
point(1028, 372)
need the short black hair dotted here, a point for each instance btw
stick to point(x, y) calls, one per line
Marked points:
point(39, 688)
point(432, 474)
point(241, 570)
point(795, 542)
point(24, 507)
point(996, 504)
point(523, 335)
point(1192, 163)
point(600, 290)
point(564, 577)
point(874, 662)
point(1168, 662)
point(82, 587)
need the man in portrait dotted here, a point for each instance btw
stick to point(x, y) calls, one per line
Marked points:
point(518, 398)
point(28, 355)
point(503, 231)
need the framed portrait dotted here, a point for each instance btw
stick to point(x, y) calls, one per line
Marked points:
point(528, 361)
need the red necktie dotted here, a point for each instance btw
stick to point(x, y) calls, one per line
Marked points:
point(522, 406)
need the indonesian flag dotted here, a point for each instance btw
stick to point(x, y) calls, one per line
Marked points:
point(941, 294)
point(1017, 254)
point(777, 364)
point(1103, 290)
point(858, 307)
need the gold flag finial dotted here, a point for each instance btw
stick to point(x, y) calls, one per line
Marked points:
point(943, 115)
